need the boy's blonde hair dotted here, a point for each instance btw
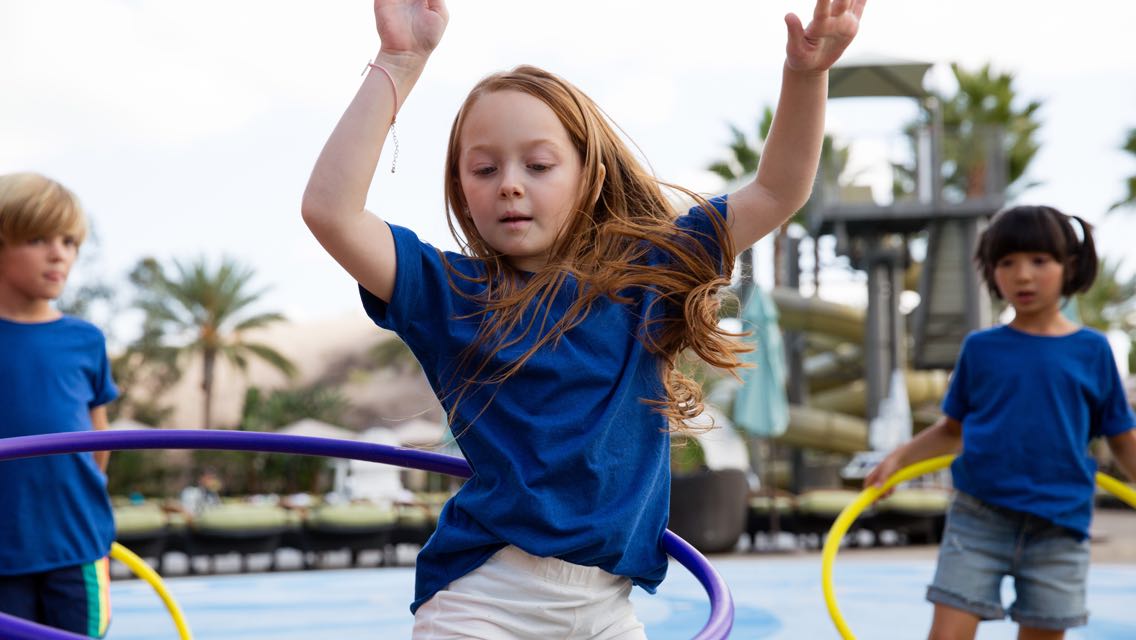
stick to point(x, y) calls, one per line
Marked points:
point(33, 205)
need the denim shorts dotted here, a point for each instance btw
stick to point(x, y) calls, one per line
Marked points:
point(983, 543)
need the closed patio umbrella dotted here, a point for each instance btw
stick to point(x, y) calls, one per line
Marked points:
point(761, 407)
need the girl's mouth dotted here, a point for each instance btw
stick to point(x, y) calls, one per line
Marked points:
point(515, 220)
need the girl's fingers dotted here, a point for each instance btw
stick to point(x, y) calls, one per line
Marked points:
point(796, 29)
point(823, 9)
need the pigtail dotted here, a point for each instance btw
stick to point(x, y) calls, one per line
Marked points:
point(1084, 264)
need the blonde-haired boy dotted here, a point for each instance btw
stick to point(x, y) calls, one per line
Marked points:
point(54, 377)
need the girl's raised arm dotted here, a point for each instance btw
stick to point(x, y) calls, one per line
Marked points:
point(792, 151)
point(334, 201)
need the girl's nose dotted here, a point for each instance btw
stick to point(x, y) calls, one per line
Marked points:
point(511, 186)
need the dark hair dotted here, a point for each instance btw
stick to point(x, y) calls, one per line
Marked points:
point(1039, 229)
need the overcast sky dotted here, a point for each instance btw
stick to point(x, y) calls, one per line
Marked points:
point(190, 128)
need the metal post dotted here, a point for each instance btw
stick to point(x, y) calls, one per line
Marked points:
point(876, 348)
point(798, 387)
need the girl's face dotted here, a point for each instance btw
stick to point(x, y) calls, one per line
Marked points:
point(1031, 281)
point(520, 175)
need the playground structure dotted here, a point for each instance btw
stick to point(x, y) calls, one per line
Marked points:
point(840, 358)
point(839, 407)
point(849, 368)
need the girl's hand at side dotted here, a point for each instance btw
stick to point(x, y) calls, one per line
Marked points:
point(884, 470)
point(410, 28)
point(817, 47)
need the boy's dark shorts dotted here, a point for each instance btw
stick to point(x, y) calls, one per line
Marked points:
point(75, 599)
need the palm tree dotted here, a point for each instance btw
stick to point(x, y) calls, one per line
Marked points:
point(1109, 303)
point(1129, 199)
point(743, 161)
point(744, 155)
point(205, 312)
point(984, 105)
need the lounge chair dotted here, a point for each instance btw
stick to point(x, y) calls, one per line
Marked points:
point(237, 528)
point(142, 528)
point(355, 527)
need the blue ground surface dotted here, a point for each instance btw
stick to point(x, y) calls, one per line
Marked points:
point(777, 598)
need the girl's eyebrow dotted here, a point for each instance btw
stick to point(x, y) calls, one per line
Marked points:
point(527, 146)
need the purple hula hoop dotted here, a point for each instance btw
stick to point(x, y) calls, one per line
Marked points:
point(721, 602)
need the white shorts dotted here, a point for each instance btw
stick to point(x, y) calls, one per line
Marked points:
point(518, 595)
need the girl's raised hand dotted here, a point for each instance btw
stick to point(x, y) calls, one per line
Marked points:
point(410, 27)
point(817, 47)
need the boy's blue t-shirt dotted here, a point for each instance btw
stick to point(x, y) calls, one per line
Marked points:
point(568, 460)
point(56, 511)
point(1028, 406)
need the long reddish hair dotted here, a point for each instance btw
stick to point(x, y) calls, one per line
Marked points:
point(620, 216)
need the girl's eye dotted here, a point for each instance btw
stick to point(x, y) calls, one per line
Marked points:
point(539, 167)
point(484, 171)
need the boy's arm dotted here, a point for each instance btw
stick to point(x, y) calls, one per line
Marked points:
point(791, 153)
point(99, 422)
point(1123, 449)
point(334, 201)
point(941, 438)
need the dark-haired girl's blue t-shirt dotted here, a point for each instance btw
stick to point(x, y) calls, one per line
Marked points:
point(1028, 406)
point(55, 509)
point(568, 460)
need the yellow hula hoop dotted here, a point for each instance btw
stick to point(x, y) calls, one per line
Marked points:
point(871, 494)
point(143, 570)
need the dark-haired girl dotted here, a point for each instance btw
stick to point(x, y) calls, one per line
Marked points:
point(1024, 402)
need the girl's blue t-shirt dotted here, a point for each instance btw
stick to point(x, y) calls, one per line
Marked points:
point(56, 509)
point(568, 459)
point(1029, 405)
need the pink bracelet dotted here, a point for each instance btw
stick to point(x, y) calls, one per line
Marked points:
point(394, 87)
point(394, 91)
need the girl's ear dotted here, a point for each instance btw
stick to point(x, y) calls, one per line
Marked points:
point(601, 175)
point(1069, 272)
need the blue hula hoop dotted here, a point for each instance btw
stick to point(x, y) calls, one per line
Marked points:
point(718, 626)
